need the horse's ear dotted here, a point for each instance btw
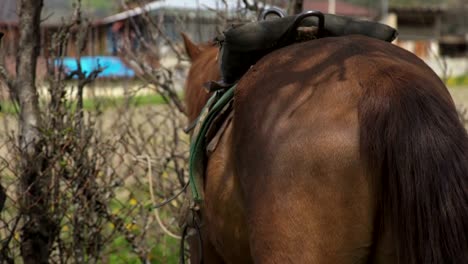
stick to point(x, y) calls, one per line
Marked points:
point(193, 51)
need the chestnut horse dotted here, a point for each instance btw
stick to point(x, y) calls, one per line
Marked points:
point(340, 150)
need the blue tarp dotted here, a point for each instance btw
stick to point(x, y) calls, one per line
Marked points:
point(113, 66)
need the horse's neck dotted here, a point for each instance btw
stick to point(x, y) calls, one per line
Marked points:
point(204, 68)
point(195, 100)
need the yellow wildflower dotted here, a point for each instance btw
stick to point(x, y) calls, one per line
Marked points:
point(131, 227)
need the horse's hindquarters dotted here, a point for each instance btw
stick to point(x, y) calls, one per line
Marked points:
point(306, 191)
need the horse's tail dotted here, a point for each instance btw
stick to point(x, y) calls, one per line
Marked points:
point(413, 139)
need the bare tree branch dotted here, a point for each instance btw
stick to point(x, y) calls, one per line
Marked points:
point(83, 190)
point(251, 6)
point(38, 230)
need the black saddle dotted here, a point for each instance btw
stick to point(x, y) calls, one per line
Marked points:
point(243, 45)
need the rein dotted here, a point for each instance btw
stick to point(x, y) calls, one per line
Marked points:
point(197, 161)
point(213, 107)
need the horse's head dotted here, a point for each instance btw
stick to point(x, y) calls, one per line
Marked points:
point(204, 68)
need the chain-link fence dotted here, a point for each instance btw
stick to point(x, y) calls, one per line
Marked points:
point(103, 186)
point(105, 165)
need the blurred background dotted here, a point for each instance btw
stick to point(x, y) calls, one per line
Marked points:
point(112, 152)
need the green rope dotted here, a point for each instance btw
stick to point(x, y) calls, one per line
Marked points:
point(198, 144)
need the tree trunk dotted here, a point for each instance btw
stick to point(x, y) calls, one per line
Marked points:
point(2, 190)
point(2, 197)
point(298, 6)
point(36, 237)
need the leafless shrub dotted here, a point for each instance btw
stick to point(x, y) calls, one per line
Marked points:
point(96, 169)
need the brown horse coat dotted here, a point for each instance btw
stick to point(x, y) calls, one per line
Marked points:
point(341, 150)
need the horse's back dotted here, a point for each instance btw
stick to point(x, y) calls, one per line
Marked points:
point(307, 189)
point(307, 87)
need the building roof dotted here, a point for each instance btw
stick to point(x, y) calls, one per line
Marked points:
point(417, 16)
point(341, 8)
point(418, 9)
point(187, 5)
